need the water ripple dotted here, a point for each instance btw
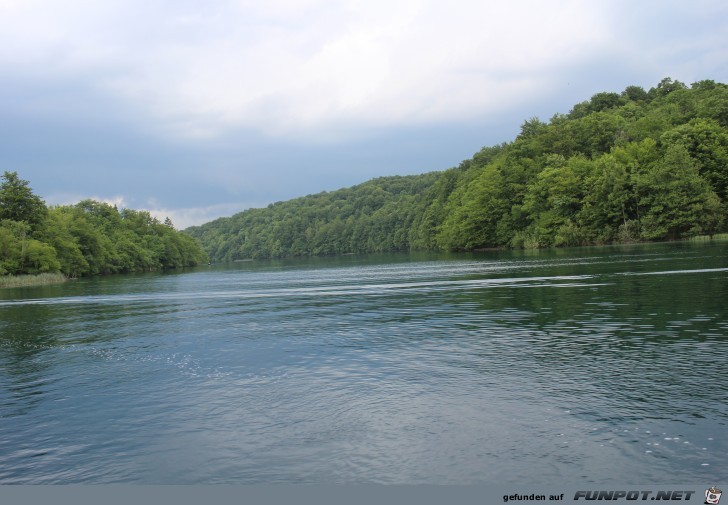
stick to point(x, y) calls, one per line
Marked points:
point(603, 365)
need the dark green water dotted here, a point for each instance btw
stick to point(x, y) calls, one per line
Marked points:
point(588, 365)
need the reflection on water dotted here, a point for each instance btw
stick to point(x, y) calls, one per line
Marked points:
point(600, 365)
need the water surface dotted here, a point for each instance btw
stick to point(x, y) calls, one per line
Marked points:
point(604, 365)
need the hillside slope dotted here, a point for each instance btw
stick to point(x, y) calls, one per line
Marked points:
point(635, 165)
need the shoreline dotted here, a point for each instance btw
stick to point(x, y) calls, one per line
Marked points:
point(21, 281)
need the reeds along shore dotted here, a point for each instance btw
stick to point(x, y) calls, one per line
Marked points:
point(708, 238)
point(17, 281)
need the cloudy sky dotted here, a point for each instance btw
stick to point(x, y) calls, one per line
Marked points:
point(196, 110)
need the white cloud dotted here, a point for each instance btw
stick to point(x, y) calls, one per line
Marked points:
point(181, 217)
point(169, 99)
point(185, 217)
point(73, 198)
point(295, 68)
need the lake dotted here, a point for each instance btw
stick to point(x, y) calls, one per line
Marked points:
point(603, 365)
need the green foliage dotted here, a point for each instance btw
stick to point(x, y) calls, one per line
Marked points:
point(677, 201)
point(17, 201)
point(636, 165)
point(635, 94)
point(385, 214)
point(707, 144)
point(21, 254)
point(84, 239)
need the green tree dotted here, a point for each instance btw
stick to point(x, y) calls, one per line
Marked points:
point(58, 234)
point(707, 143)
point(635, 94)
point(608, 201)
point(18, 202)
point(21, 254)
point(13, 241)
point(665, 87)
point(677, 202)
point(552, 202)
point(40, 257)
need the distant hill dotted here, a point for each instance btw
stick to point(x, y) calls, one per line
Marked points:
point(621, 167)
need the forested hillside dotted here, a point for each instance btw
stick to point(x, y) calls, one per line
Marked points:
point(84, 239)
point(631, 166)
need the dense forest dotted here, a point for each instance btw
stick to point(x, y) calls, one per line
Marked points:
point(84, 239)
point(621, 167)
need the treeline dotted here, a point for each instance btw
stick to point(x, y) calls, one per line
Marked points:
point(84, 239)
point(372, 217)
point(621, 167)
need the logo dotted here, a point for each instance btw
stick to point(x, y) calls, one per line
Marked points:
point(712, 495)
point(661, 495)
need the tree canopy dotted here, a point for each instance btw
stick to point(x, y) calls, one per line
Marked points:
point(84, 239)
point(620, 167)
point(18, 202)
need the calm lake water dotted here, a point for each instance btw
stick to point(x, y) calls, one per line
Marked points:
point(604, 365)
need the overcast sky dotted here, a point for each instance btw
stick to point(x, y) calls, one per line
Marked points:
point(196, 110)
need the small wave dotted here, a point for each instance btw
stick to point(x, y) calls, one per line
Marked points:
point(335, 290)
point(683, 271)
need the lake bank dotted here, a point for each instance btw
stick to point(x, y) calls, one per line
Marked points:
point(19, 281)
